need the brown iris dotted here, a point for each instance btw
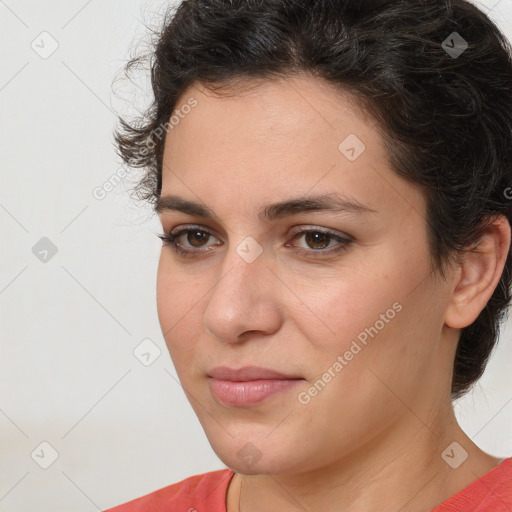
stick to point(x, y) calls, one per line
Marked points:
point(200, 236)
point(315, 237)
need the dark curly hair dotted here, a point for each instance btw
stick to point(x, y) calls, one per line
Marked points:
point(442, 101)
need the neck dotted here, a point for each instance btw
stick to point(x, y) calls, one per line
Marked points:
point(402, 468)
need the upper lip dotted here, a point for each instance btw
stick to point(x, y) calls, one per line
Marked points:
point(247, 373)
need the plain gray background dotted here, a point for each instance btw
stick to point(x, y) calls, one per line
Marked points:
point(72, 319)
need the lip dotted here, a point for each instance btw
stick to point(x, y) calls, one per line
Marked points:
point(247, 373)
point(248, 385)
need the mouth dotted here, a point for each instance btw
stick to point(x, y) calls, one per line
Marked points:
point(248, 385)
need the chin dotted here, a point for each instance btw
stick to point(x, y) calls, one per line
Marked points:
point(253, 454)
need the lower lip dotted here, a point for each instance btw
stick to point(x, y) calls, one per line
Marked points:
point(249, 392)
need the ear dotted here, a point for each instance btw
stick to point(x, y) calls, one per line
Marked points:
point(478, 274)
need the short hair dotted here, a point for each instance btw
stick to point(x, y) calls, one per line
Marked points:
point(434, 75)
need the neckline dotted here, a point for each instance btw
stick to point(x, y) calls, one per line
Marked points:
point(480, 483)
point(504, 463)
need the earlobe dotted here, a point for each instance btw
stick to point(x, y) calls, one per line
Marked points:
point(478, 274)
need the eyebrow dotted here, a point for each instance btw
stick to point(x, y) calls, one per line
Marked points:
point(325, 202)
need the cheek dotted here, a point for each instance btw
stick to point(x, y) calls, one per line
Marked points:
point(377, 317)
point(178, 308)
point(347, 307)
point(166, 296)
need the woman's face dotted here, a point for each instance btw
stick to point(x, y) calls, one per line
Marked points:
point(338, 296)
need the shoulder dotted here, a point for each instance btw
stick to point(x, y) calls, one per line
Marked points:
point(490, 493)
point(199, 492)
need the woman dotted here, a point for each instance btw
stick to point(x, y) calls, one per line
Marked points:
point(331, 178)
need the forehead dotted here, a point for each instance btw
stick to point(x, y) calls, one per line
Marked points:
point(282, 121)
point(264, 139)
point(278, 106)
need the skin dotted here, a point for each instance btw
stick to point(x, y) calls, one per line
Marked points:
point(376, 432)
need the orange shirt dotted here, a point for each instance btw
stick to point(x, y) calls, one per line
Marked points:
point(490, 493)
point(207, 493)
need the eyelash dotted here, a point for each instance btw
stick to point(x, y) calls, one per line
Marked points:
point(170, 239)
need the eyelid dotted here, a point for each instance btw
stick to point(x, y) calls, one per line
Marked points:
point(328, 231)
point(295, 230)
point(191, 227)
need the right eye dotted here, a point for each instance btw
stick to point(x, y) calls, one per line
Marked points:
point(195, 236)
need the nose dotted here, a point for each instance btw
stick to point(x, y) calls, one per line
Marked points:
point(244, 300)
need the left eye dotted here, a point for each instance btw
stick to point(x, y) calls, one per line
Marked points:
point(320, 240)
